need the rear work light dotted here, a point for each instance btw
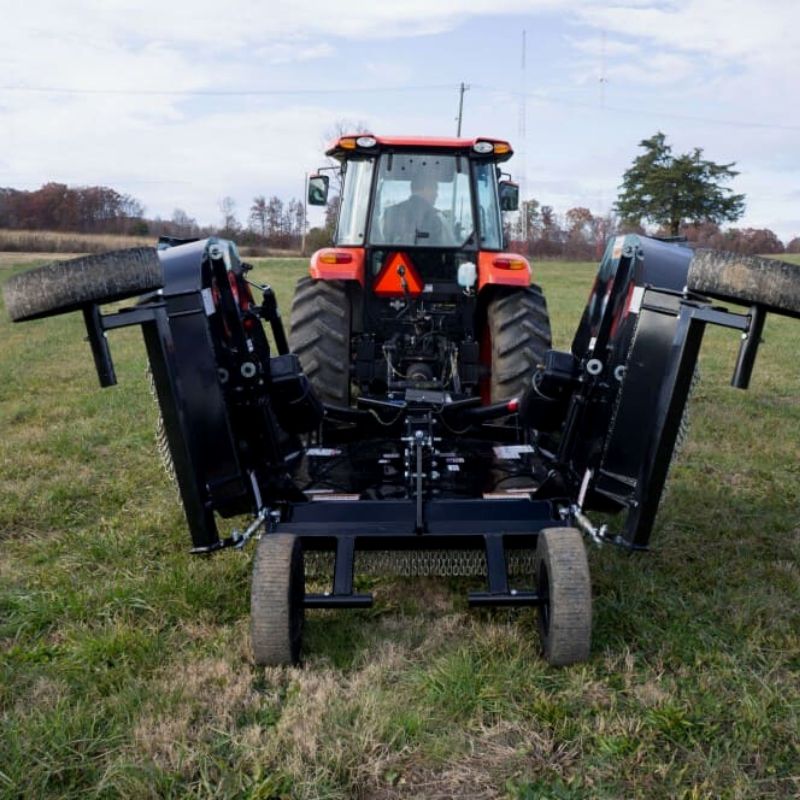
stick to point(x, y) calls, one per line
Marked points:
point(504, 262)
point(484, 148)
point(366, 141)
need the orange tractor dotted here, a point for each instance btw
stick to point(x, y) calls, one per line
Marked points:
point(418, 291)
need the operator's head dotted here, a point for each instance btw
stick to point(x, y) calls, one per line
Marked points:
point(425, 184)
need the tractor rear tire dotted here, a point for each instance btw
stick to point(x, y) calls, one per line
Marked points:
point(564, 586)
point(68, 285)
point(519, 329)
point(320, 337)
point(276, 601)
point(749, 280)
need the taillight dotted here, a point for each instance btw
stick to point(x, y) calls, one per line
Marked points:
point(507, 262)
point(335, 257)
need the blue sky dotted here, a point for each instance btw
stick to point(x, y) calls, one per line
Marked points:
point(182, 103)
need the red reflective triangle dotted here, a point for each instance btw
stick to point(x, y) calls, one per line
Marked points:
point(398, 268)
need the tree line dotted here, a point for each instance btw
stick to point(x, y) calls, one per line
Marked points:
point(58, 207)
point(580, 234)
point(101, 209)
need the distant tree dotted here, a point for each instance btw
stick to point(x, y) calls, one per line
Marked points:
point(182, 224)
point(757, 240)
point(230, 225)
point(703, 234)
point(258, 215)
point(274, 217)
point(667, 190)
point(131, 208)
point(318, 238)
point(794, 245)
point(297, 219)
point(580, 233)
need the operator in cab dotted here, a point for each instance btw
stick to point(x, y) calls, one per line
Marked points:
point(415, 220)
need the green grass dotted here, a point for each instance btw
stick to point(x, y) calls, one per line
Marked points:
point(125, 667)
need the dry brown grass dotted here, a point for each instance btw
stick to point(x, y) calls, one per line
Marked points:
point(18, 242)
point(488, 759)
point(20, 247)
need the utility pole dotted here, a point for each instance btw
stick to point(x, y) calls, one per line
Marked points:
point(464, 87)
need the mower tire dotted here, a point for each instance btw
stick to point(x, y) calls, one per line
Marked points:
point(320, 337)
point(565, 590)
point(68, 285)
point(519, 329)
point(276, 601)
point(748, 280)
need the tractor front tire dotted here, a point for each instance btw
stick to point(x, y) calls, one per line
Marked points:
point(320, 337)
point(565, 591)
point(519, 330)
point(69, 285)
point(276, 601)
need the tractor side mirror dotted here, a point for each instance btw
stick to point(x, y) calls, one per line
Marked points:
point(509, 196)
point(318, 190)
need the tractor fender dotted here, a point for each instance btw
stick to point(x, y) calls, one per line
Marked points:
point(502, 269)
point(338, 264)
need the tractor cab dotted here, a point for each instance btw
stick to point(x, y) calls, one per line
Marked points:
point(428, 193)
point(418, 261)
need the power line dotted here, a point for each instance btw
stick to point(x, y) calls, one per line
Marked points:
point(223, 92)
point(635, 110)
point(631, 110)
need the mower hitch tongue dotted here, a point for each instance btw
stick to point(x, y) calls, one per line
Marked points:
point(416, 420)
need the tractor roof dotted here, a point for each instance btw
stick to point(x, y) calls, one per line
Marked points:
point(364, 143)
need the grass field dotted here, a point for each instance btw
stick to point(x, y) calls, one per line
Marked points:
point(125, 667)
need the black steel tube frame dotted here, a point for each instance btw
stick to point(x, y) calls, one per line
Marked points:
point(494, 526)
point(662, 367)
point(160, 343)
point(748, 348)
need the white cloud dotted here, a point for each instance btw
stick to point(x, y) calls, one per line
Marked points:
point(599, 46)
point(756, 32)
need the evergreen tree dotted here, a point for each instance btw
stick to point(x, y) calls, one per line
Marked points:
point(667, 190)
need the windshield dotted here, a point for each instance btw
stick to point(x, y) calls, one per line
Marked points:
point(355, 201)
point(422, 200)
